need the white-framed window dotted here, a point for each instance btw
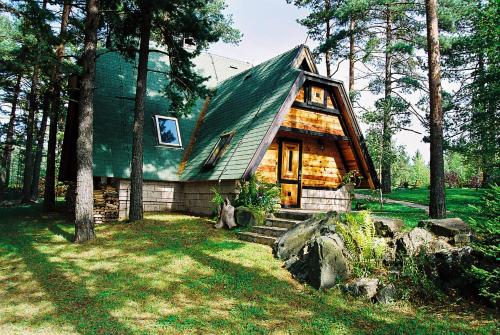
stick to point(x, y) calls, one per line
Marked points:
point(167, 129)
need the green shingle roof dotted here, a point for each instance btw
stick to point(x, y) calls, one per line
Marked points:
point(114, 106)
point(246, 104)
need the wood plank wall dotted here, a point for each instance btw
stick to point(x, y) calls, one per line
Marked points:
point(321, 162)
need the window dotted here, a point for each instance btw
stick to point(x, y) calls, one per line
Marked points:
point(218, 150)
point(168, 131)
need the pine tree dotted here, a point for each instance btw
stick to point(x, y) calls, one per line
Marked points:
point(437, 205)
point(84, 206)
point(170, 22)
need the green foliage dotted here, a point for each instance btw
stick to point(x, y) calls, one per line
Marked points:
point(202, 21)
point(218, 199)
point(413, 281)
point(487, 270)
point(358, 233)
point(419, 175)
point(258, 195)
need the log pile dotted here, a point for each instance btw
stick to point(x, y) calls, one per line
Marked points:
point(106, 204)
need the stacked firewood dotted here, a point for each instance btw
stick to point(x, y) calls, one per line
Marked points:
point(106, 204)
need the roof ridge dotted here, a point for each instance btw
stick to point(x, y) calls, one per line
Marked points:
point(262, 63)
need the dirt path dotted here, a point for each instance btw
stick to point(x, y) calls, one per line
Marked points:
point(392, 201)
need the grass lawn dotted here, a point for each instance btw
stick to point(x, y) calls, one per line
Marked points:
point(175, 274)
point(459, 201)
point(411, 216)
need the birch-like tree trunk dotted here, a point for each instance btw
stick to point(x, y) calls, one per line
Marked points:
point(84, 207)
point(136, 176)
point(9, 139)
point(352, 27)
point(387, 116)
point(39, 147)
point(437, 205)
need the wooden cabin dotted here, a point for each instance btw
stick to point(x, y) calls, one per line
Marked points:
point(280, 120)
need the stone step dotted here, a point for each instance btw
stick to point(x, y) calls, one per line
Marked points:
point(281, 223)
point(269, 231)
point(256, 238)
point(293, 215)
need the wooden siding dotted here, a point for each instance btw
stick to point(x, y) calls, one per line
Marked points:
point(268, 167)
point(321, 162)
point(314, 121)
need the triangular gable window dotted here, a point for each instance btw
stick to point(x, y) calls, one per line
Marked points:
point(218, 150)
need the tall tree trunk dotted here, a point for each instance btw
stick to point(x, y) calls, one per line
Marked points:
point(352, 27)
point(39, 147)
point(49, 199)
point(437, 205)
point(328, 53)
point(30, 125)
point(84, 204)
point(9, 139)
point(387, 116)
point(136, 175)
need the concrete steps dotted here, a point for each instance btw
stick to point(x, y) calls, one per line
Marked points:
point(275, 226)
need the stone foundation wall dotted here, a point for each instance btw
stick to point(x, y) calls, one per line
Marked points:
point(198, 195)
point(191, 197)
point(327, 200)
point(157, 196)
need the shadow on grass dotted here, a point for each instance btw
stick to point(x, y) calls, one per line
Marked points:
point(186, 277)
point(71, 299)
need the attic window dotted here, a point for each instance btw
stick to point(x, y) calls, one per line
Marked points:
point(218, 150)
point(167, 129)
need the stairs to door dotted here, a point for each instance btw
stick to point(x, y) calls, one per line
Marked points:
point(275, 226)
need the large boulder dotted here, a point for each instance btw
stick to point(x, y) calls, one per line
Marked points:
point(245, 217)
point(327, 262)
point(412, 242)
point(446, 227)
point(450, 266)
point(293, 241)
point(386, 294)
point(387, 227)
point(363, 287)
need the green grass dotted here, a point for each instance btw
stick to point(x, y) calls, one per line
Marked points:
point(411, 216)
point(175, 274)
point(459, 201)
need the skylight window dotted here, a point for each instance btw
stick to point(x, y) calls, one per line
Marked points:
point(168, 131)
point(218, 150)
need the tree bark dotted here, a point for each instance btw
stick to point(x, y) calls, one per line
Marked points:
point(84, 207)
point(437, 205)
point(387, 116)
point(352, 27)
point(136, 176)
point(328, 53)
point(9, 139)
point(39, 147)
point(49, 199)
point(30, 125)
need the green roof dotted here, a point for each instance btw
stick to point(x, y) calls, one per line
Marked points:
point(246, 104)
point(114, 108)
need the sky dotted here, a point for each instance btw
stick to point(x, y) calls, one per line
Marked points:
point(270, 27)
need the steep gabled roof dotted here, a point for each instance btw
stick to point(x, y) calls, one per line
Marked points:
point(114, 106)
point(253, 105)
point(246, 104)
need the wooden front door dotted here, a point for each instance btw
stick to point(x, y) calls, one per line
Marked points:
point(289, 172)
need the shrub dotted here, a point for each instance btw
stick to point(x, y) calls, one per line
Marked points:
point(486, 271)
point(413, 280)
point(258, 195)
point(358, 233)
point(218, 199)
point(452, 179)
